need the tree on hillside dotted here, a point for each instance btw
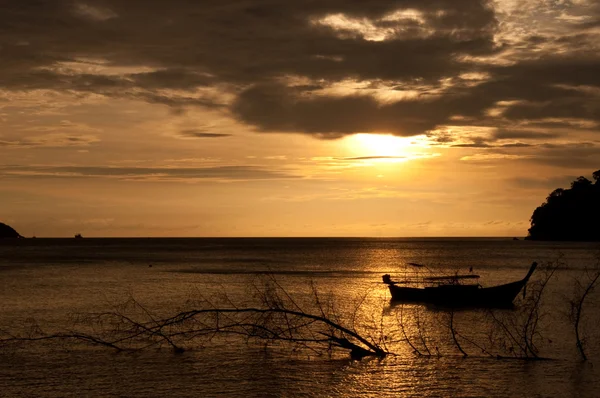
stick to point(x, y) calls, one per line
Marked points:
point(569, 214)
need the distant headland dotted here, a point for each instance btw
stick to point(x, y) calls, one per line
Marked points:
point(8, 232)
point(569, 214)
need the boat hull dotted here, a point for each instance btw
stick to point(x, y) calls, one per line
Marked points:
point(458, 295)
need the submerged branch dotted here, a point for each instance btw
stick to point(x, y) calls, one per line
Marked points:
point(272, 324)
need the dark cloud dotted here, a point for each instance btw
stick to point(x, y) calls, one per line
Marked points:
point(508, 134)
point(174, 78)
point(549, 87)
point(253, 50)
point(289, 111)
point(472, 145)
point(245, 41)
point(235, 42)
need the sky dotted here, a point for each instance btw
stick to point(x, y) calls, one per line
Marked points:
point(293, 118)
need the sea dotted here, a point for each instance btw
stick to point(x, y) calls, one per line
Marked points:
point(52, 287)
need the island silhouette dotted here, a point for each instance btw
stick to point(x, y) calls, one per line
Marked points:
point(7, 231)
point(569, 214)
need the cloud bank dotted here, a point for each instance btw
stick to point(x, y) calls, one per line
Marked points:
point(314, 67)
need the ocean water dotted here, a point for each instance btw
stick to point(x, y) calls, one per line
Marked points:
point(50, 284)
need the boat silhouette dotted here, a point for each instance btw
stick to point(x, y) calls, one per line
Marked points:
point(449, 291)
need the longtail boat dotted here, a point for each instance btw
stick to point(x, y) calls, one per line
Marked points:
point(450, 291)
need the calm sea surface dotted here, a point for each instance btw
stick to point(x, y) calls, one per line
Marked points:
point(45, 282)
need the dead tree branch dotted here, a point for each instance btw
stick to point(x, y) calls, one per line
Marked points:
point(277, 318)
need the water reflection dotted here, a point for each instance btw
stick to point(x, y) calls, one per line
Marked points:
point(57, 281)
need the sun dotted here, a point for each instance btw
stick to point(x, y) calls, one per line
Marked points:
point(375, 145)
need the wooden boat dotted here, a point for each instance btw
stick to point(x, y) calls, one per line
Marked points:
point(449, 291)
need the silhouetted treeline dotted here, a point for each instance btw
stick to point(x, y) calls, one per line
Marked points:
point(569, 214)
point(8, 232)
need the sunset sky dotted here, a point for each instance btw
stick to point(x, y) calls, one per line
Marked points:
point(293, 118)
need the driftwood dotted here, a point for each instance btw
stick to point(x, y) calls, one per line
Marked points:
point(278, 319)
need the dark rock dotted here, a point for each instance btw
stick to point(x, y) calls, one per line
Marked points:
point(8, 232)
